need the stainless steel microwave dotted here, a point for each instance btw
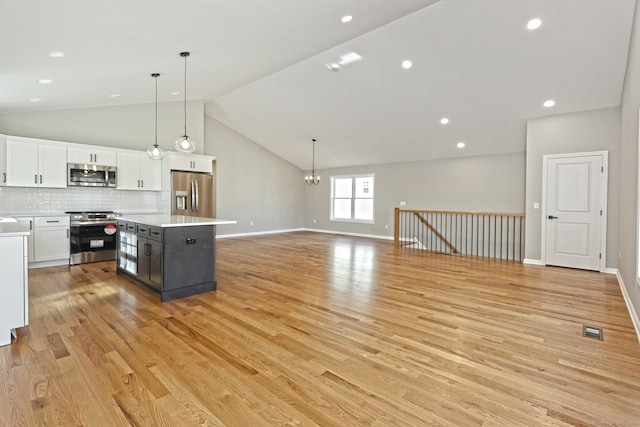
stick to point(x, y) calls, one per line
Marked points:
point(91, 175)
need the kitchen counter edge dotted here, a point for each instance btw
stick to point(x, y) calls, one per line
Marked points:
point(173, 220)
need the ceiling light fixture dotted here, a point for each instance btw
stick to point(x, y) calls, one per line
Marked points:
point(460, 144)
point(407, 64)
point(44, 81)
point(35, 100)
point(155, 152)
point(444, 121)
point(333, 67)
point(313, 179)
point(175, 93)
point(114, 95)
point(534, 24)
point(346, 18)
point(348, 58)
point(56, 54)
point(549, 103)
point(184, 143)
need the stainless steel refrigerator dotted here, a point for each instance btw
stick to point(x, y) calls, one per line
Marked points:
point(192, 194)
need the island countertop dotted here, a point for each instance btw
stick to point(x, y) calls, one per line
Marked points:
point(10, 227)
point(173, 220)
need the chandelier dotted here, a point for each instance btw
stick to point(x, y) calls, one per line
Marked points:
point(313, 179)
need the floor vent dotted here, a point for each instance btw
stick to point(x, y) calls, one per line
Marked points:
point(592, 332)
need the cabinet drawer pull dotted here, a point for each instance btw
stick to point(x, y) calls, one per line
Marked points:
point(52, 220)
point(191, 241)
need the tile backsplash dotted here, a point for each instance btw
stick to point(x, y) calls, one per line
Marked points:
point(14, 200)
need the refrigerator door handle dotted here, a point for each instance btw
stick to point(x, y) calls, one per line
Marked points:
point(197, 196)
point(193, 196)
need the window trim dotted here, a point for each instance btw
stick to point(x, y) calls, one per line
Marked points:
point(353, 198)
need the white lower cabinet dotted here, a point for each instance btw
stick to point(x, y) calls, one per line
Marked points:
point(29, 220)
point(51, 238)
point(14, 309)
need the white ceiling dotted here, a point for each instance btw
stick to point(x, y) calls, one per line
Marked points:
point(260, 67)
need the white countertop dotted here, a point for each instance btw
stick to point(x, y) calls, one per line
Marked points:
point(173, 220)
point(10, 228)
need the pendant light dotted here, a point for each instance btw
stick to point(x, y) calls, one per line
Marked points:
point(313, 179)
point(156, 152)
point(185, 144)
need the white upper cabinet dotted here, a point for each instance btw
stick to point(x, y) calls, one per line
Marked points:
point(190, 162)
point(31, 163)
point(136, 171)
point(3, 160)
point(91, 155)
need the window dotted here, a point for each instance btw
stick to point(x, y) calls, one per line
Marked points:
point(352, 198)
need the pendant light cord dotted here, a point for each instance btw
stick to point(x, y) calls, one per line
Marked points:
point(156, 77)
point(185, 93)
point(313, 159)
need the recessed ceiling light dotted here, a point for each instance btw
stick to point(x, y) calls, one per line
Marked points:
point(444, 121)
point(534, 24)
point(333, 67)
point(348, 58)
point(114, 95)
point(460, 144)
point(175, 93)
point(44, 81)
point(549, 103)
point(407, 64)
point(35, 100)
point(56, 54)
point(346, 18)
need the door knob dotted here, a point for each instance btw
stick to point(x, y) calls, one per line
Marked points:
point(552, 217)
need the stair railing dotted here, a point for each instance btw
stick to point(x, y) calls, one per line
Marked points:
point(483, 234)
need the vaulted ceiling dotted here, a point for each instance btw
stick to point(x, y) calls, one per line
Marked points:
point(262, 67)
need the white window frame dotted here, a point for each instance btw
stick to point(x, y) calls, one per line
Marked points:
point(353, 198)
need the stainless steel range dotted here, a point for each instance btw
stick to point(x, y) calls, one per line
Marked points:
point(93, 236)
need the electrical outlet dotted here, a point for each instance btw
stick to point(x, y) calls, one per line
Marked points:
point(386, 226)
point(403, 203)
point(536, 205)
point(251, 223)
point(314, 221)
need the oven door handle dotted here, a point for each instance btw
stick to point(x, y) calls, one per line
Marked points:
point(72, 223)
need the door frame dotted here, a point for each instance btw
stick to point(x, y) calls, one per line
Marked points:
point(602, 265)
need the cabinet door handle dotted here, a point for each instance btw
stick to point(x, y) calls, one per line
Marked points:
point(4, 177)
point(147, 249)
point(30, 224)
point(36, 178)
point(40, 179)
point(67, 233)
point(142, 183)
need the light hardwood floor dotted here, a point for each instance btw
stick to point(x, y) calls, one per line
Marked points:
point(315, 329)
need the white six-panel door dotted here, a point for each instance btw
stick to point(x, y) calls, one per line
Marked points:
point(574, 208)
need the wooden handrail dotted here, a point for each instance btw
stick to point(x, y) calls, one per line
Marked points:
point(462, 212)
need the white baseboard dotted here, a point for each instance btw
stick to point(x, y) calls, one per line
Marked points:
point(53, 263)
point(532, 261)
point(257, 233)
point(344, 233)
point(632, 312)
point(610, 271)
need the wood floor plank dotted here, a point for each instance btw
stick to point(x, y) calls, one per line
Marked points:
point(315, 329)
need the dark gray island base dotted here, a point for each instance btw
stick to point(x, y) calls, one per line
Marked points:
point(174, 256)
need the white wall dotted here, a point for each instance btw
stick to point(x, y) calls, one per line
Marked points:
point(628, 177)
point(253, 184)
point(128, 126)
point(125, 126)
point(596, 130)
point(492, 183)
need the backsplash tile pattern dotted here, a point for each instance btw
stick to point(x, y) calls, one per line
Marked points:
point(15, 200)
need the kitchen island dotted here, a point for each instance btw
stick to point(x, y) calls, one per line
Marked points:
point(171, 254)
point(14, 293)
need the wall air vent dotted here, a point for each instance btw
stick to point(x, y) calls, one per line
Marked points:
point(592, 332)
